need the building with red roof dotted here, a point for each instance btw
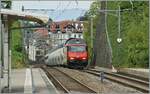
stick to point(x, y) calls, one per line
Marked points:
point(40, 33)
point(67, 25)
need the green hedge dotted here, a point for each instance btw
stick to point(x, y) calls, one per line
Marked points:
point(17, 54)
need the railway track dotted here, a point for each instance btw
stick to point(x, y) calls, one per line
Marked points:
point(66, 83)
point(139, 84)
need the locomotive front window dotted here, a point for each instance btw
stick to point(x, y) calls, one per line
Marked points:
point(77, 48)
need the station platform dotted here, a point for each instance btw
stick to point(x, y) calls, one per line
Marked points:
point(133, 71)
point(31, 81)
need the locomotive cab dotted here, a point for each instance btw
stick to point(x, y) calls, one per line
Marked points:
point(77, 55)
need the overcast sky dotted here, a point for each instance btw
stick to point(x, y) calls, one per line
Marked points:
point(52, 4)
point(62, 9)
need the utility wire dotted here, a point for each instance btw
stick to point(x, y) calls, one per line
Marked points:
point(58, 6)
point(63, 10)
point(76, 2)
point(82, 12)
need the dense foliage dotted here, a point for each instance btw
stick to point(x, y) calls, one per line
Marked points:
point(17, 53)
point(133, 50)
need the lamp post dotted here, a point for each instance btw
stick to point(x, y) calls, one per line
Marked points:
point(119, 39)
point(91, 32)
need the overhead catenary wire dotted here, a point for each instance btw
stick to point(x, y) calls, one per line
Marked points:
point(63, 10)
point(58, 6)
point(82, 12)
point(76, 2)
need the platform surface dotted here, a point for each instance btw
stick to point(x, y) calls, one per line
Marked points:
point(22, 82)
point(18, 80)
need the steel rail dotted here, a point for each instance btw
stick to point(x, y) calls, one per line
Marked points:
point(128, 81)
point(77, 81)
point(55, 80)
point(144, 82)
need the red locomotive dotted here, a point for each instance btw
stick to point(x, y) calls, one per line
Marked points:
point(77, 54)
point(73, 53)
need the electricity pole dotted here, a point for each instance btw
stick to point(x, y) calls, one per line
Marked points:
point(92, 32)
point(0, 51)
point(119, 22)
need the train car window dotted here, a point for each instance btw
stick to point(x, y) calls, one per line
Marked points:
point(75, 41)
point(38, 52)
point(86, 48)
point(77, 48)
point(46, 57)
point(61, 45)
point(61, 57)
point(56, 60)
point(53, 60)
point(67, 48)
point(79, 36)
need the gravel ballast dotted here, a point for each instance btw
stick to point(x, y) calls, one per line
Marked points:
point(107, 87)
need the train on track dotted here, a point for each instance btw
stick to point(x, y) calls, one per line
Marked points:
point(73, 53)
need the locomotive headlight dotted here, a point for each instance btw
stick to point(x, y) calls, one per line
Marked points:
point(71, 58)
point(84, 58)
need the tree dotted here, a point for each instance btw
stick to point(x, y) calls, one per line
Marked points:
point(133, 51)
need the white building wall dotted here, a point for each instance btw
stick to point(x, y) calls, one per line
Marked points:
point(32, 53)
point(60, 38)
